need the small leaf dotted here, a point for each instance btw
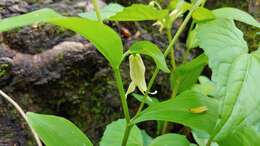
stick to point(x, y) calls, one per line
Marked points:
point(179, 4)
point(55, 131)
point(149, 100)
point(106, 12)
point(139, 12)
point(103, 37)
point(150, 49)
point(114, 134)
point(170, 140)
point(192, 41)
point(202, 14)
point(177, 110)
point(186, 75)
point(236, 14)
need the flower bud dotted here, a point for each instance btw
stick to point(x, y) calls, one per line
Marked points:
point(137, 74)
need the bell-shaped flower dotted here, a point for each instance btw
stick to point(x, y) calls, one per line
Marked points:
point(137, 74)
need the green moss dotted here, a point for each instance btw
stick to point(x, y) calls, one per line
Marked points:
point(3, 70)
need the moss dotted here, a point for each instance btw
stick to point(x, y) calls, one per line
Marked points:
point(4, 70)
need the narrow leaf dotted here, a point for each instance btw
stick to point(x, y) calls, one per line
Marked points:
point(149, 100)
point(28, 19)
point(150, 49)
point(55, 131)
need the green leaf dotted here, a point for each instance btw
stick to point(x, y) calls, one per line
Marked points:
point(104, 38)
point(139, 12)
point(178, 110)
point(206, 86)
point(199, 15)
point(235, 73)
point(114, 134)
point(202, 14)
point(236, 14)
point(55, 131)
point(179, 4)
point(222, 43)
point(186, 75)
point(106, 12)
point(28, 19)
point(202, 138)
point(150, 49)
point(147, 139)
point(149, 100)
point(170, 140)
point(192, 41)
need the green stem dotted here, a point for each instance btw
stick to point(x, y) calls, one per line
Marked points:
point(167, 51)
point(20, 110)
point(95, 4)
point(122, 94)
point(126, 134)
point(187, 51)
point(124, 105)
point(169, 36)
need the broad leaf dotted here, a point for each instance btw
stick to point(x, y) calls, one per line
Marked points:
point(222, 43)
point(202, 138)
point(139, 12)
point(106, 12)
point(150, 49)
point(114, 134)
point(178, 110)
point(235, 73)
point(202, 14)
point(55, 131)
point(104, 38)
point(236, 14)
point(147, 139)
point(170, 140)
point(186, 75)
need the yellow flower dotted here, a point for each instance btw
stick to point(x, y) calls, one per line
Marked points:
point(137, 74)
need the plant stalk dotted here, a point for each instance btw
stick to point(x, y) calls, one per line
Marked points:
point(22, 113)
point(167, 51)
point(124, 105)
point(169, 36)
point(97, 10)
